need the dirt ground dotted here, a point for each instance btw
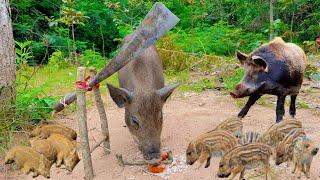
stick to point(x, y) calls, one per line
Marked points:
point(186, 115)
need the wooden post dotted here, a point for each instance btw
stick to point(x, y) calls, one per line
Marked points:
point(102, 114)
point(82, 123)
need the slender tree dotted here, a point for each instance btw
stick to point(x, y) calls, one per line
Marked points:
point(7, 60)
point(271, 19)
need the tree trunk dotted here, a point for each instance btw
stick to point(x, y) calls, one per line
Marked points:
point(7, 61)
point(7, 71)
point(271, 19)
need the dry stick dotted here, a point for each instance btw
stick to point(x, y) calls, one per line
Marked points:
point(82, 123)
point(107, 150)
point(122, 162)
point(157, 22)
point(102, 113)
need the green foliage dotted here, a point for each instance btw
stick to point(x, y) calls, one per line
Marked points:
point(312, 72)
point(92, 58)
point(23, 53)
point(233, 78)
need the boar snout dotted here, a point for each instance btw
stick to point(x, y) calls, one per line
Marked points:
point(315, 151)
point(152, 153)
point(224, 175)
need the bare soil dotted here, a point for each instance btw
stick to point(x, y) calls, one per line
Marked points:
point(186, 116)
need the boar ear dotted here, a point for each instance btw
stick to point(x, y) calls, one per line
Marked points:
point(120, 96)
point(259, 61)
point(166, 91)
point(241, 56)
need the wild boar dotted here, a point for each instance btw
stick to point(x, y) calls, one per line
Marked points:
point(45, 130)
point(284, 150)
point(214, 143)
point(233, 125)
point(303, 152)
point(275, 68)
point(44, 147)
point(66, 151)
point(245, 157)
point(278, 131)
point(28, 160)
point(143, 94)
point(249, 137)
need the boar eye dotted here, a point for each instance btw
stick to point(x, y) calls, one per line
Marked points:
point(135, 122)
point(221, 165)
point(281, 155)
point(306, 146)
point(189, 153)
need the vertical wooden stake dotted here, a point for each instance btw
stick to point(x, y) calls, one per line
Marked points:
point(82, 123)
point(102, 114)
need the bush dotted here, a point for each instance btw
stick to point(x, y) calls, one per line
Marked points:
point(91, 58)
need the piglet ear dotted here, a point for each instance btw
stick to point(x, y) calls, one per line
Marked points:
point(120, 96)
point(260, 62)
point(166, 91)
point(242, 57)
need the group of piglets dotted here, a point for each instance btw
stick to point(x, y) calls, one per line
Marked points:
point(50, 143)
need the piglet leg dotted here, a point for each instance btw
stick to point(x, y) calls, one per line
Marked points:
point(252, 99)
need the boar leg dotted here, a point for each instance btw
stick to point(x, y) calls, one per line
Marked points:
point(292, 109)
point(280, 108)
point(208, 162)
point(59, 159)
point(298, 170)
point(267, 169)
point(241, 177)
point(307, 170)
point(252, 99)
point(203, 157)
point(26, 168)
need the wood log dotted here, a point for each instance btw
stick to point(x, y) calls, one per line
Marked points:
point(102, 114)
point(157, 22)
point(82, 123)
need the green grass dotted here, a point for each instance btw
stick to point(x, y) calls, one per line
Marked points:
point(232, 78)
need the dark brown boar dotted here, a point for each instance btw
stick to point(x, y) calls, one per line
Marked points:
point(275, 68)
point(143, 94)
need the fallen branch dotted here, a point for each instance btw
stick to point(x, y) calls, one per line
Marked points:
point(122, 162)
point(94, 147)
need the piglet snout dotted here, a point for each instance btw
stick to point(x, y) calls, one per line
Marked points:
point(315, 151)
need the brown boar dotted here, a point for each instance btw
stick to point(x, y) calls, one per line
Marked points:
point(233, 125)
point(284, 150)
point(143, 94)
point(245, 157)
point(275, 68)
point(44, 147)
point(66, 151)
point(303, 152)
point(278, 131)
point(28, 160)
point(214, 143)
point(45, 130)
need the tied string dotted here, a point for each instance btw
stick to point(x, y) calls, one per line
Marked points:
point(84, 85)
